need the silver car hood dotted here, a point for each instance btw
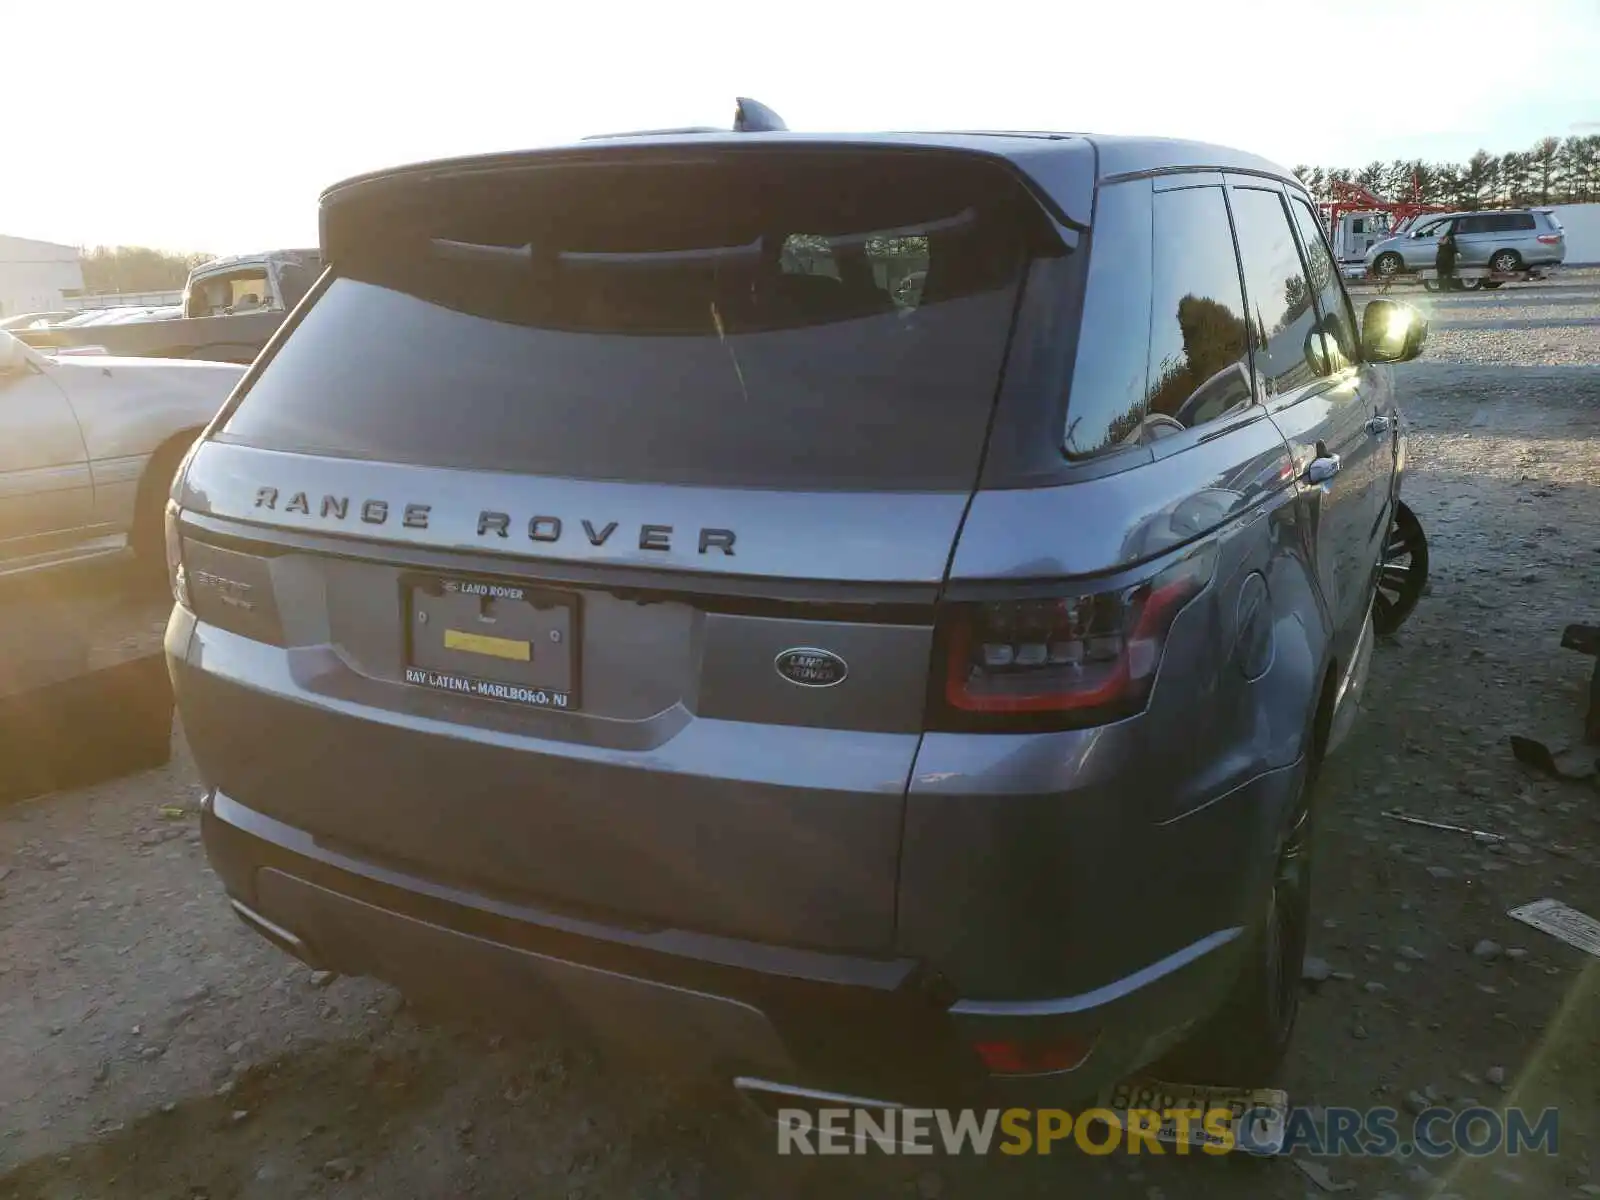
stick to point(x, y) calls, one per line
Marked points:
point(1388, 243)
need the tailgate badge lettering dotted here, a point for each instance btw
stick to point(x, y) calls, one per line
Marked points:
point(811, 666)
point(542, 528)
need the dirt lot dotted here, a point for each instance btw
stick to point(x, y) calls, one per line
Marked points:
point(151, 1047)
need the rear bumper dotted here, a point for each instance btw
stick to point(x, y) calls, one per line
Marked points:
point(1047, 894)
point(869, 1026)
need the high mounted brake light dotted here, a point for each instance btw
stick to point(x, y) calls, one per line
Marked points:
point(1075, 658)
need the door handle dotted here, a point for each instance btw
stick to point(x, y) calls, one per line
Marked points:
point(1378, 426)
point(1323, 469)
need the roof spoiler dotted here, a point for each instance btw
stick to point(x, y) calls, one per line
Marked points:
point(749, 116)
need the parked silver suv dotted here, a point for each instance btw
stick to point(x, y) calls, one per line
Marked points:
point(864, 611)
point(1501, 241)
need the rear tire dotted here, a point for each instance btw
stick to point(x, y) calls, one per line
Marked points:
point(1244, 1042)
point(1388, 264)
point(1403, 573)
point(148, 536)
point(1505, 261)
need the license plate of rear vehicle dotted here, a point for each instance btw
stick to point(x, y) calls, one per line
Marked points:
point(493, 640)
point(1256, 1117)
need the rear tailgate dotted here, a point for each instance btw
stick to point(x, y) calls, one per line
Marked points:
point(602, 510)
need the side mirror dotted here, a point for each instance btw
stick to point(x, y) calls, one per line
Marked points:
point(1392, 332)
point(1317, 356)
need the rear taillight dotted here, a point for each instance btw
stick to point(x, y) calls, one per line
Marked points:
point(1549, 239)
point(175, 571)
point(1076, 658)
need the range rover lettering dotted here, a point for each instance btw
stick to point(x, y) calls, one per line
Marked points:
point(862, 612)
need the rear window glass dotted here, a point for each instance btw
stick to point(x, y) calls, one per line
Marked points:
point(805, 320)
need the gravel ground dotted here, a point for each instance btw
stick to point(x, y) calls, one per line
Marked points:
point(151, 1047)
point(1546, 324)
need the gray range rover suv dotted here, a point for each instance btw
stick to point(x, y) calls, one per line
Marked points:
point(858, 614)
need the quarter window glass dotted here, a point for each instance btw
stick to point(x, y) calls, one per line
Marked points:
point(1338, 319)
point(1511, 222)
point(1106, 403)
point(1282, 318)
point(1197, 368)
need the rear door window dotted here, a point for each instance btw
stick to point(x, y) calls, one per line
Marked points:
point(1198, 347)
point(1282, 317)
point(1163, 345)
point(810, 320)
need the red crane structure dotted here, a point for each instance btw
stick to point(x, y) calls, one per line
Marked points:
point(1352, 197)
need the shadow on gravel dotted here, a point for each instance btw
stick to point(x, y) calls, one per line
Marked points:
point(286, 1128)
point(84, 693)
point(85, 730)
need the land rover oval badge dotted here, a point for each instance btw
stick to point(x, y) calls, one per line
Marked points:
point(809, 666)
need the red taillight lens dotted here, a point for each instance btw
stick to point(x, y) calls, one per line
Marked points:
point(1549, 239)
point(1034, 1058)
point(176, 575)
point(1082, 657)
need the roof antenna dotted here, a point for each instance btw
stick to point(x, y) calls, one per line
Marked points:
point(752, 116)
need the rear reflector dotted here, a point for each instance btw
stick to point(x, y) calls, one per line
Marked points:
point(1090, 657)
point(1034, 1058)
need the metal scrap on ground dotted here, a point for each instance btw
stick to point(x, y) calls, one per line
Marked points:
point(1481, 835)
point(1562, 921)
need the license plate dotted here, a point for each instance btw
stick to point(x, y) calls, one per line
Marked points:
point(493, 640)
point(1257, 1115)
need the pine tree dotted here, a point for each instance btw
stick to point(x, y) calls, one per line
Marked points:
point(1544, 165)
point(1514, 179)
point(1480, 180)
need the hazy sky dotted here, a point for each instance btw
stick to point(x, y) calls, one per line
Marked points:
point(212, 126)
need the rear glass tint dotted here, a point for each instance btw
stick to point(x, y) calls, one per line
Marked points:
point(1511, 222)
point(798, 320)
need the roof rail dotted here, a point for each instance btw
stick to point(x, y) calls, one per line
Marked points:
point(749, 116)
point(593, 137)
